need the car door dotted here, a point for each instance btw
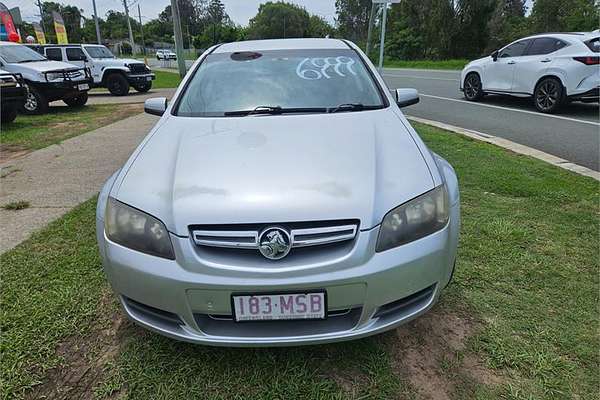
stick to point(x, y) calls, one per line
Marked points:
point(76, 56)
point(533, 64)
point(499, 74)
point(53, 53)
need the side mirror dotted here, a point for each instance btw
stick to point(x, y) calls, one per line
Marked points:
point(156, 106)
point(494, 55)
point(406, 97)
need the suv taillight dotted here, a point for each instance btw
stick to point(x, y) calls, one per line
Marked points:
point(588, 60)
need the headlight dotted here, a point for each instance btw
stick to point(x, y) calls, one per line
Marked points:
point(137, 230)
point(415, 219)
point(53, 76)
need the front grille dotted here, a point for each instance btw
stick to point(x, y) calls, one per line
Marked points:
point(223, 325)
point(301, 234)
point(138, 68)
point(74, 75)
point(406, 305)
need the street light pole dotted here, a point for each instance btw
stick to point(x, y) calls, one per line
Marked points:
point(382, 41)
point(97, 23)
point(178, 37)
point(142, 30)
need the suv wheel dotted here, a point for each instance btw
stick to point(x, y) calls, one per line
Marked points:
point(472, 87)
point(8, 114)
point(35, 102)
point(117, 84)
point(548, 95)
point(77, 101)
point(143, 87)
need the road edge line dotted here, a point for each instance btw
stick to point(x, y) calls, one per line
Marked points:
point(512, 146)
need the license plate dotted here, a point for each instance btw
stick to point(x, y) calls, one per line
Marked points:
point(83, 86)
point(148, 78)
point(279, 306)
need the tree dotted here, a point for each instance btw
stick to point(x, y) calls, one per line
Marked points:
point(318, 27)
point(560, 15)
point(279, 20)
point(353, 19)
point(508, 23)
point(71, 16)
point(472, 18)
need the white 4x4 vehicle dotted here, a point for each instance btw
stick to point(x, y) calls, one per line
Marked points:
point(165, 55)
point(553, 68)
point(46, 80)
point(115, 74)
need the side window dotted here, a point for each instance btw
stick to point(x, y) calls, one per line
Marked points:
point(545, 45)
point(54, 53)
point(515, 49)
point(75, 54)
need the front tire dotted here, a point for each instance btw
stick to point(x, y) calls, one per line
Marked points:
point(548, 95)
point(143, 87)
point(8, 114)
point(35, 103)
point(77, 101)
point(117, 84)
point(472, 87)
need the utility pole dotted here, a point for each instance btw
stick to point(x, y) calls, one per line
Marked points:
point(178, 37)
point(129, 24)
point(39, 4)
point(97, 23)
point(284, 26)
point(370, 30)
point(142, 30)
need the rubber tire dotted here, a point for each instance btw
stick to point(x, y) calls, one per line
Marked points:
point(77, 101)
point(117, 84)
point(8, 114)
point(143, 88)
point(41, 100)
point(479, 94)
point(560, 96)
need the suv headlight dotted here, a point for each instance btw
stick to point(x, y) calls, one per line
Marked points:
point(137, 230)
point(53, 76)
point(415, 219)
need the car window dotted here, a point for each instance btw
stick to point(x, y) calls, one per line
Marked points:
point(594, 44)
point(317, 79)
point(515, 50)
point(75, 54)
point(19, 54)
point(545, 45)
point(99, 52)
point(54, 54)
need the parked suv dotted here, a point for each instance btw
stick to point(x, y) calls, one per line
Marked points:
point(165, 55)
point(46, 80)
point(12, 95)
point(553, 68)
point(115, 74)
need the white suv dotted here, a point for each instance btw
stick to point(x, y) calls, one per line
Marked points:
point(165, 55)
point(553, 68)
point(115, 74)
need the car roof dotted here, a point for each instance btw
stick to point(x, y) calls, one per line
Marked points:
point(4, 43)
point(281, 44)
point(583, 36)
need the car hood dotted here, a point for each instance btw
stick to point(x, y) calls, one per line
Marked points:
point(116, 62)
point(44, 66)
point(275, 169)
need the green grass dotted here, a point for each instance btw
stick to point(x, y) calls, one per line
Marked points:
point(166, 79)
point(527, 270)
point(427, 64)
point(32, 132)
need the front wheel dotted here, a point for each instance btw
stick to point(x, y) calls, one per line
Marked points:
point(548, 95)
point(77, 101)
point(473, 88)
point(35, 102)
point(143, 87)
point(117, 84)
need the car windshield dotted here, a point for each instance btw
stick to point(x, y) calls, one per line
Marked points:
point(99, 52)
point(279, 81)
point(19, 54)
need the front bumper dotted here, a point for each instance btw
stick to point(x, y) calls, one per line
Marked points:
point(368, 292)
point(142, 78)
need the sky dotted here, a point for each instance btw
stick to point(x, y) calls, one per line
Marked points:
point(240, 11)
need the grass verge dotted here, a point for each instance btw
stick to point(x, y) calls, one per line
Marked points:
point(165, 79)
point(427, 64)
point(521, 312)
point(33, 132)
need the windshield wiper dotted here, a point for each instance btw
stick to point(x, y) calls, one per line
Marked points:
point(352, 107)
point(274, 110)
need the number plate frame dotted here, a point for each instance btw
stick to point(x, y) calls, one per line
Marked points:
point(276, 293)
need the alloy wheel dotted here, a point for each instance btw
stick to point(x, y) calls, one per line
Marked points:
point(547, 95)
point(472, 86)
point(31, 103)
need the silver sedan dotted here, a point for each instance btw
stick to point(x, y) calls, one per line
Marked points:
point(282, 199)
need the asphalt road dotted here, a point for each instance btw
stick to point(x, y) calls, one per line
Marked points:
point(573, 134)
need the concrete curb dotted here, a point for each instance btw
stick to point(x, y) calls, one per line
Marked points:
point(512, 146)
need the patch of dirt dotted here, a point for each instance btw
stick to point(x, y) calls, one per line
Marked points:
point(10, 153)
point(350, 381)
point(86, 357)
point(430, 353)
